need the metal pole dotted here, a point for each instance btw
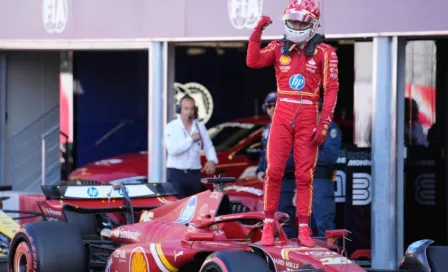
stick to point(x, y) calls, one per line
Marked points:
point(42, 178)
point(383, 157)
point(168, 91)
point(2, 119)
point(155, 118)
point(398, 86)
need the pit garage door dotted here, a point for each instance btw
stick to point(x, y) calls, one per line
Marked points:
point(32, 114)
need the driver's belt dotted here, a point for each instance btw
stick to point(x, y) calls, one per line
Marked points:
point(186, 171)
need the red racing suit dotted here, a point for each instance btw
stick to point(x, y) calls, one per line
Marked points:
point(299, 81)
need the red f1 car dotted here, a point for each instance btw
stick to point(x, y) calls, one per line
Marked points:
point(198, 233)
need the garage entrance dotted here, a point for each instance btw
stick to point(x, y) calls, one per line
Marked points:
point(30, 81)
point(111, 104)
point(237, 91)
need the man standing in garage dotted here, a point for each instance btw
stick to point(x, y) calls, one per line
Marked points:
point(185, 137)
point(288, 183)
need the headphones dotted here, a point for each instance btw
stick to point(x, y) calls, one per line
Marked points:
point(179, 106)
point(272, 96)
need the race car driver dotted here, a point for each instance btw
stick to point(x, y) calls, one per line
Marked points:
point(288, 186)
point(324, 205)
point(303, 66)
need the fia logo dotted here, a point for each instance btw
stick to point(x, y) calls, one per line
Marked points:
point(188, 211)
point(244, 13)
point(425, 189)
point(297, 82)
point(92, 191)
point(54, 15)
point(201, 95)
point(362, 191)
point(341, 183)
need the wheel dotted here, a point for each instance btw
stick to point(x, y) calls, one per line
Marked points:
point(47, 246)
point(23, 260)
point(234, 261)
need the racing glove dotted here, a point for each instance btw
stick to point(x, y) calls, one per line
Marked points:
point(321, 131)
point(262, 24)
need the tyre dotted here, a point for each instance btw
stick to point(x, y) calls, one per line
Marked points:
point(47, 246)
point(234, 261)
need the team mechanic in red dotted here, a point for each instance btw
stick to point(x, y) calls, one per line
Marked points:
point(304, 66)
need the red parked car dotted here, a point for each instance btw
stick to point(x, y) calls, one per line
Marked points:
point(237, 144)
point(198, 233)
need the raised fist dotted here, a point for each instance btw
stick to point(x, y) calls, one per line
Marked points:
point(263, 23)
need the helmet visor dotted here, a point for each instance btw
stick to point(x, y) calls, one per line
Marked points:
point(304, 17)
point(298, 25)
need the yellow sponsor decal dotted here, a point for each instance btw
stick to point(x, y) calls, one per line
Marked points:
point(138, 262)
point(164, 200)
point(164, 260)
point(285, 60)
point(7, 225)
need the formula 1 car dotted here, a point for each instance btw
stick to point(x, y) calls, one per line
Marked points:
point(198, 233)
point(8, 224)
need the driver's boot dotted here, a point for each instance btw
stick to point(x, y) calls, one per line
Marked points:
point(267, 239)
point(305, 236)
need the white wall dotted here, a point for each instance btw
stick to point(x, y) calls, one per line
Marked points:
point(363, 92)
point(32, 90)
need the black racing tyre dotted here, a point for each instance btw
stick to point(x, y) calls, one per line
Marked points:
point(234, 261)
point(47, 246)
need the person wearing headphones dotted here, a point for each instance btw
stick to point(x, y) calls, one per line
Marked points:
point(185, 137)
point(288, 185)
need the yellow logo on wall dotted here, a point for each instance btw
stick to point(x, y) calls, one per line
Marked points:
point(138, 262)
point(285, 60)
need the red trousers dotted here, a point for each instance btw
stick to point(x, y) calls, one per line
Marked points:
point(292, 128)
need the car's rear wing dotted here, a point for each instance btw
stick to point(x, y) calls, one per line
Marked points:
point(92, 192)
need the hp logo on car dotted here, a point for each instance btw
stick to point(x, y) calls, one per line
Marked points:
point(188, 211)
point(92, 191)
point(121, 193)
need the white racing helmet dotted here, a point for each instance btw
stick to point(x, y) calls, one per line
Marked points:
point(301, 20)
